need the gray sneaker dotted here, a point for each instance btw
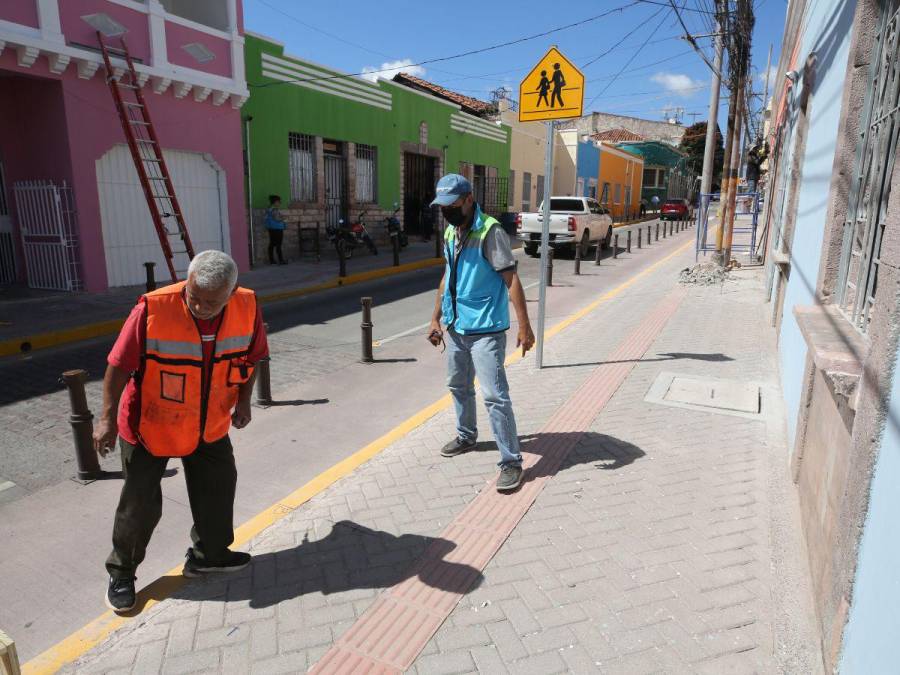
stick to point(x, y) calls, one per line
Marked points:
point(510, 478)
point(456, 447)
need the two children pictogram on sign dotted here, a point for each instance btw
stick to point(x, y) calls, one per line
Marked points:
point(557, 82)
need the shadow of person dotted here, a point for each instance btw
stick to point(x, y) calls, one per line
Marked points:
point(560, 451)
point(351, 556)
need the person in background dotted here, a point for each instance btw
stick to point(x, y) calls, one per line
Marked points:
point(275, 226)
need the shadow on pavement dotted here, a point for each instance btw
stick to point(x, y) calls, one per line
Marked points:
point(295, 402)
point(668, 356)
point(351, 556)
point(606, 453)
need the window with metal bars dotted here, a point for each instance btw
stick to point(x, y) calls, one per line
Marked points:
point(540, 189)
point(873, 169)
point(366, 170)
point(526, 191)
point(302, 162)
point(511, 197)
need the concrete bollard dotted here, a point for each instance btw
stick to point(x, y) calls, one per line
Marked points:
point(615, 246)
point(81, 420)
point(366, 326)
point(149, 267)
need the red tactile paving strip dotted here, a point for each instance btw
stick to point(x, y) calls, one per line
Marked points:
point(392, 632)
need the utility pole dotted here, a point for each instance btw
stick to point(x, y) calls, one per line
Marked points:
point(728, 224)
point(709, 150)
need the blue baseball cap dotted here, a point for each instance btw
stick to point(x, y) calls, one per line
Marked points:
point(450, 188)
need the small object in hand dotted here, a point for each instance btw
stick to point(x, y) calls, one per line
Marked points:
point(437, 338)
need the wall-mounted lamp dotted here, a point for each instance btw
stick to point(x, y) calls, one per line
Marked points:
point(792, 75)
point(199, 51)
point(105, 24)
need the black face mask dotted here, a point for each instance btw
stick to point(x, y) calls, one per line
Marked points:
point(454, 215)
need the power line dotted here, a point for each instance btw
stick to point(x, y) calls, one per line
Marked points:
point(625, 37)
point(628, 63)
point(471, 52)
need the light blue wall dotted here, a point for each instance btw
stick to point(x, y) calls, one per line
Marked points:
point(873, 629)
point(828, 34)
point(588, 164)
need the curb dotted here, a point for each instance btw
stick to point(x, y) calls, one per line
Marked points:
point(29, 343)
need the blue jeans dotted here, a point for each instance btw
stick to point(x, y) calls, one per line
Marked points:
point(469, 356)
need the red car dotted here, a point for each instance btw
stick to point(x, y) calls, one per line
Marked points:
point(676, 209)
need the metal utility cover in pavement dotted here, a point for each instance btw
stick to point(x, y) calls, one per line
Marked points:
point(730, 397)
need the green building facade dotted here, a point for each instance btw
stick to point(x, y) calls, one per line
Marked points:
point(666, 171)
point(332, 146)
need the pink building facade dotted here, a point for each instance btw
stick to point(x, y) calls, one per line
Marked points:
point(72, 213)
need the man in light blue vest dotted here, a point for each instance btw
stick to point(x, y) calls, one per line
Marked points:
point(473, 301)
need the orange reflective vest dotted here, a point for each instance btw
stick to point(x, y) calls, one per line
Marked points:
point(177, 411)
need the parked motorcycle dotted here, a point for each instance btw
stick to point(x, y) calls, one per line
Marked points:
point(345, 238)
point(395, 228)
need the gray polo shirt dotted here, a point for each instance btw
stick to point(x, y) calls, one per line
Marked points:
point(497, 249)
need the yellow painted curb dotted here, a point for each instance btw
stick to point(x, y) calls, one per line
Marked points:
point(94, 633)
point(101, 328)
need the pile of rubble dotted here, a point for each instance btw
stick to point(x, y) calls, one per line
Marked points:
point(703, 274)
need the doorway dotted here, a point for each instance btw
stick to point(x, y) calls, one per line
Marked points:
point(335, 180)
point(418, 193)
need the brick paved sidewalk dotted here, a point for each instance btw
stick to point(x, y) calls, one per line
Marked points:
point(666, 542)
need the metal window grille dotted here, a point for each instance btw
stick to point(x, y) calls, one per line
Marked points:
point(366, 170)
point(874, 166)
point(526, 191)
point(649, 178)
point(510, 197)
point(540, 189)
point(302, 160)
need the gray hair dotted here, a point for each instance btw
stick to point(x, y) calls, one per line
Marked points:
point(212, 270)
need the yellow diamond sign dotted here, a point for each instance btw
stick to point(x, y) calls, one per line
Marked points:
point(553, 90)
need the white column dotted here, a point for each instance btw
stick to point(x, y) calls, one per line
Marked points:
point(48, 18)
point(157, 18)
point(238, 75)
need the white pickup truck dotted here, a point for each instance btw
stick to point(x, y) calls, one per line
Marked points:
point(573, 221)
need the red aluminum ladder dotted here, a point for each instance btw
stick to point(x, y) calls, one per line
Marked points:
point(148, 157)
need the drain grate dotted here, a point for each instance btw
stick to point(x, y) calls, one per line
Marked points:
point(730, 397)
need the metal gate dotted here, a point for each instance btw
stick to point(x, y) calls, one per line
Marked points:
point(334, 190)
point(46, 217)
point(492, 192)
point(418, 192)
point(7, 244)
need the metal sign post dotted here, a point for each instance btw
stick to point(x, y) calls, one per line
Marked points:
point(553, 90)
point(545, 244)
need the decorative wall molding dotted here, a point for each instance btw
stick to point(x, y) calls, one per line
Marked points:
point(26, 56)
point(58, 63)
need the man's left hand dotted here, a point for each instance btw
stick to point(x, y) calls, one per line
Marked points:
point(525, 339)
point(241, 416)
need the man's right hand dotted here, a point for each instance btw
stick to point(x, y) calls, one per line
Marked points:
point(105, 436)
point(435, 328)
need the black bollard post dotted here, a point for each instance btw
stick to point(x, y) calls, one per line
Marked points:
point(665, 229)
point(615, 246)
point(597, 254)
point(639, 237)
point(395, 244)
point(264, 378)
point(550, 266)
point(151, 276)
point(657, 230)
point(366, 325)
point(577, 259)
point(342, 261)
point(628, 242)
point(648, 235)
point(81, 420)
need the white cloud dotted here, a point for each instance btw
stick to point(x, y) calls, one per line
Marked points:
point(773, 71)
point(389, 69)
point(676, 83)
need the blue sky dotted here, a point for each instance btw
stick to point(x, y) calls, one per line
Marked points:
point(658, 70)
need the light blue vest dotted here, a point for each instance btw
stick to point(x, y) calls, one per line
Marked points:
point(481, 302)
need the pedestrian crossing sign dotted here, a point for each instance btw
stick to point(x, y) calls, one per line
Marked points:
point(553, 90)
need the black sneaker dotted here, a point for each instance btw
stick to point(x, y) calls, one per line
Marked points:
point(510, 477)
point(120, 594)
point(456, 447)
point(234, 561)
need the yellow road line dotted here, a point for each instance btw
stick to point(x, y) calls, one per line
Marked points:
point(91, 635)
point(112, 326)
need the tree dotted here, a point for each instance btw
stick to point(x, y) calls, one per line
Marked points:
point(694, 144)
